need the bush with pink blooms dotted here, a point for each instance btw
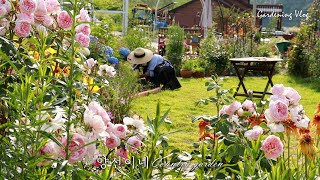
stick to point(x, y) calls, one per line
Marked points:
point(253, 141)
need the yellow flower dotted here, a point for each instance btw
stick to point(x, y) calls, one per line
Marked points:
point(89, 81)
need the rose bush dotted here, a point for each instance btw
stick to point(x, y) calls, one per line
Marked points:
point(253, 141)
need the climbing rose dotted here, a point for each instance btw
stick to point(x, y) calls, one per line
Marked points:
point(272, 147)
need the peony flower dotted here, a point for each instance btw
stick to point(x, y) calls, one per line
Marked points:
point(122, 153)
point(91, 62)
point(83, 28)
point(112, 141)
point(306, 143)
point(106, 69)
point(277, 89)
point(76, 147)
point(64, 20)
point(272, 147)
point(53, 6)
point(41, 11)
point(133, 143)
point(27, 6)
point(120, 130)
point(83, 16)
point(254, 133)
point(83, 39)
point(22, 29)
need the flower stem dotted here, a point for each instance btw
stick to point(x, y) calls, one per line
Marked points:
point(306, 166)
point(288, 150)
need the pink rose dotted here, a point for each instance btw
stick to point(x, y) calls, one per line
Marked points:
point(133, 143)
point(41, 11)
point(83, 16)
point(272, 147)
point(254, 133)
point(122, 153)
point(77, 141)
point(27, 6)
point(292, 95)
point(83, 39)
point(64, 20)
point(91, 62)
point(112, 141)
point(25, 18)
point(53, 6)
point(3, 11)
point(249, 106)
point(277, 89)
point(6, 5)
point(22, 29)
point(83, 28)
point(94, 121)
point(232, 108)
point(99, 110)
point(109, 127)
point(277, 112)
point(47, 21)
point(120, 130)
point(50, 148)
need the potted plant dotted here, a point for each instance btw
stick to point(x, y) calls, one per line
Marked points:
point(186, 69)
point(198, 68)
point(198, 72)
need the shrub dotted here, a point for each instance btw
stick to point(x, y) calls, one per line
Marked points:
point(215, 56)
point(175, 48)
point(137, 37)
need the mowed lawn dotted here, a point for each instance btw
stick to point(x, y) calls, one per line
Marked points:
point(182, 103)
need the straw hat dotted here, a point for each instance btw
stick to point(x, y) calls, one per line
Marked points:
point(140, 56)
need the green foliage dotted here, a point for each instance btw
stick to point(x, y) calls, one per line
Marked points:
point(215, 56)
point(174, 47)
point(187, 65)
point(120, 92)
point(137, 37)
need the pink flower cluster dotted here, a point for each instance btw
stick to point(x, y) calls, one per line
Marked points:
point(100, 128)
point(42, 12)
point(284, 104)
point(236, 109)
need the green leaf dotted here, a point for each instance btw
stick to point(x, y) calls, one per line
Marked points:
point(50, 136)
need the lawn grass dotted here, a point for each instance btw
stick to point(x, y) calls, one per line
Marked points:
point(182, 103)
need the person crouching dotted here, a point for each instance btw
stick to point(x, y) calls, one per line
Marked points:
point(155, 68)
